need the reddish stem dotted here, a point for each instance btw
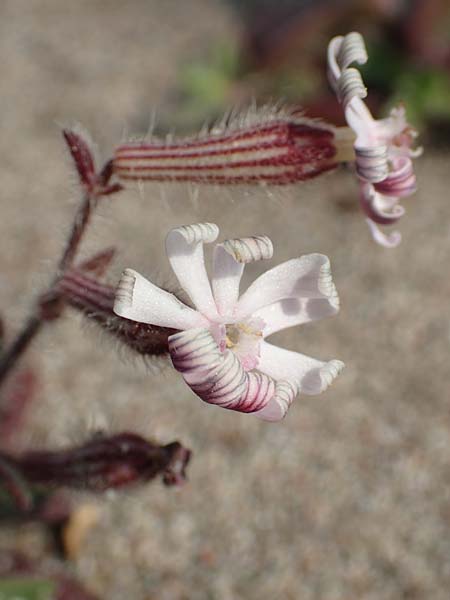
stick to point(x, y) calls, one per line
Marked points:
point(49, 306)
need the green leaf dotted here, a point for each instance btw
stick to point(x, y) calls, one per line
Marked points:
point(26, 589)
point(426, 94)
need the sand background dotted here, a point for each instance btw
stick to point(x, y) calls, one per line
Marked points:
point(349, 496)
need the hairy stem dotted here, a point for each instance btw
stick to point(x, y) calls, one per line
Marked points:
point(41, 314)
point(49, 305)
point(20, 345)
point(96, 300)
point(79, 226)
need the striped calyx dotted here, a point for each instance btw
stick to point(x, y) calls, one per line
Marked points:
point(272, 147)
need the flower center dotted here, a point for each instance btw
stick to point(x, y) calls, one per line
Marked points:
point(244, 339)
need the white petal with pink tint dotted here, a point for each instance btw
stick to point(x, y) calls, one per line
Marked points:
point(290, 312)
point(229, 260)
point(311, 375)
point(389, 240)
point(381, 209)
point(184, 247)
point(278, 405)
point(306, 277)
point(139, 300)
point(227, 273)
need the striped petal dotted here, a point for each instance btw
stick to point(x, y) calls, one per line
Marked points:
point(140, 300)
point(348, 84)
point(311, 375)
point(290, 312)
point(219, 378)
point(229, 260)
point(401, 181)
point(306, 277)
point(278, 405)
point(184, 247)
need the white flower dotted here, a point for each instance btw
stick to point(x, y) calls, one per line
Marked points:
point(382, 147)
point(220, 349)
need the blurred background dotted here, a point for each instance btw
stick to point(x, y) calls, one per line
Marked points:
point(349, 496)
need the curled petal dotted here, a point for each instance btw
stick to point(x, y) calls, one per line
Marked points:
point(350, 85)
point(251, 249)
point(383, 210)
point(370, 148)
point(196, 233)
point(278, 405)
point(229, 260)
point(306, 277)
point(352, 49)
point(312, 376)
point(371, 163)
point(219, 378)
point(260, 390)
point(140, 300)
point(401, 181)
point(290, 312)
point(342, 52)
point(194, 349)
point(391, 240)
point(184, 247)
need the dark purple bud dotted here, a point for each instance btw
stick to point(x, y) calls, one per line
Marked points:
point(175, 473)
point(106, 463)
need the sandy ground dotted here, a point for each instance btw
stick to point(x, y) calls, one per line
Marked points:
point(349, 496)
